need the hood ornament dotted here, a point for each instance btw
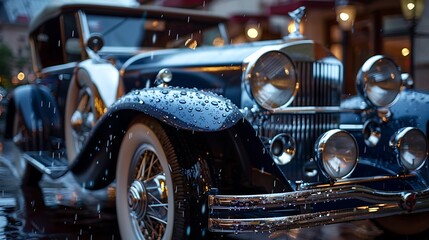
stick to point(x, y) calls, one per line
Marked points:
point(296, 16)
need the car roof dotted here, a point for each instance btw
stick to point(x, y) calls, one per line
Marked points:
point(55, 7)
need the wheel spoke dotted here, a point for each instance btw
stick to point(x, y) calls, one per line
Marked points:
point(152, 178)
point(157, 219)
point(142, 166)
point(154, 229)
point(153, 160)
point(155, 198)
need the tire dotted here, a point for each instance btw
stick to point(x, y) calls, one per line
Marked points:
point(28, 174)
point(80, 116)
point(145, 208)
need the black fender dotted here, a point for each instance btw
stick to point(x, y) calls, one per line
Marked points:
point(212, 124)
point(38, 112)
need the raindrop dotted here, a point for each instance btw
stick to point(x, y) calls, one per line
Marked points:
point(188, 231)
point(154, 37)
point(203, 209)
point(182, 101)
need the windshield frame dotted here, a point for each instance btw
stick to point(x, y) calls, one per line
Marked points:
point(84, 18)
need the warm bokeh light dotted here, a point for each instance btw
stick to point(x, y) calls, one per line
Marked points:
point(344, 16)
point(412, 9)
point(218, 41)
point(20, 76)
point(405, 52)
point(252, 33)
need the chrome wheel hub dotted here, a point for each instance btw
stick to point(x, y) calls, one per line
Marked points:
point(137, 199)
point(148, 195)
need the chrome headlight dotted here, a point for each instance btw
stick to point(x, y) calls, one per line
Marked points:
point(336, 152)
point(411, 148)
point(271, 80)
point(379, 81)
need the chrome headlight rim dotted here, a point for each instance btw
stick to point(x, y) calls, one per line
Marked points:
point(249, 66)
point(320, 148)
point(397, 141)
point(365, 89)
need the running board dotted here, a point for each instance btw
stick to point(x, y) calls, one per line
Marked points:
point(49, 163)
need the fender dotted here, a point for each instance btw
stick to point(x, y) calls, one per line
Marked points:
point(37, 111)
point(103, 75)
point(195, 115)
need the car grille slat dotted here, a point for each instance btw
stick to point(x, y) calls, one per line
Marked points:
point(320, 85)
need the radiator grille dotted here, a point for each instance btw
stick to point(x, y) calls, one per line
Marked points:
point(320, 85)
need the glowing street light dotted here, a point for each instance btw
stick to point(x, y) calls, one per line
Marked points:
point(412, 10)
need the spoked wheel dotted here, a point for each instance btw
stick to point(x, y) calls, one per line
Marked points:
point(80, 116)
point(83, 118)
point(150, 187)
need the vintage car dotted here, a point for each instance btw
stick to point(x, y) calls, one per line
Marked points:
point(202, 138)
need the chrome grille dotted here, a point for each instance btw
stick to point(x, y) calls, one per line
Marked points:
point(320, 85)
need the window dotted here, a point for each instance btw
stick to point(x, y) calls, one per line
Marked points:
point(47, 43)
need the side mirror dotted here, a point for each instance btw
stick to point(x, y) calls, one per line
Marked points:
point(95, 42)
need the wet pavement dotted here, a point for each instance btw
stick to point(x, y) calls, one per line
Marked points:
point(55, 210)
point(60, 209)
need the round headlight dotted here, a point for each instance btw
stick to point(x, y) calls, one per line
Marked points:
point(379, 81)
point(272, 80)
point(337, 153)
point(411, 148)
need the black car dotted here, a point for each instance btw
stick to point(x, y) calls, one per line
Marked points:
point(203, 138)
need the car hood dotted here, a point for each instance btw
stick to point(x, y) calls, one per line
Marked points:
point(229, 55)
point(203, 56)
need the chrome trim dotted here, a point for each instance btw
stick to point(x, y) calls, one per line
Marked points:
point(308, 219)
point(351, 127)
point(37, 164)
point(354, 181)
point(385, 203)
point(313, 110)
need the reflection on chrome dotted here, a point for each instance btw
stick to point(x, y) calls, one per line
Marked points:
point(381, 203)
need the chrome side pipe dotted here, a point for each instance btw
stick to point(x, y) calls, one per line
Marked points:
point(381, 204)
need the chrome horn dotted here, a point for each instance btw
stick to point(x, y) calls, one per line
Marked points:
point(282, 148)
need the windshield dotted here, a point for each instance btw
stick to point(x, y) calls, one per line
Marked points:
point(125, 31)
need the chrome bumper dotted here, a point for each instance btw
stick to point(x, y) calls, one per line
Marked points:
point(380, 204)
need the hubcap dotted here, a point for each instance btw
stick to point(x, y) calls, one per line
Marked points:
point(148, 195)
point(137, 199)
